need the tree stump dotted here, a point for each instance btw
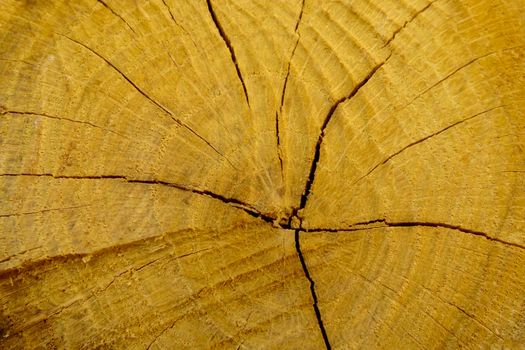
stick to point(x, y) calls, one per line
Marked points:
point(262, 174)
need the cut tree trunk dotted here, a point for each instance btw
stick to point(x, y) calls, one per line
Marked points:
point(262, 174)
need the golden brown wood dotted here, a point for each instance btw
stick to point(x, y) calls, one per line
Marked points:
point(262, 174)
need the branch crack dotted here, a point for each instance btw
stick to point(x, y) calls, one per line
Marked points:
point(465, 65)
point(92, 292)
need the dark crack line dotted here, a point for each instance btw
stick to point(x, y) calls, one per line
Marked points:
point(328, 118)
point(116, 14)
point(171, 14)
point(164, 109)
point(283, 93)
point(300, 17)
point(312, 290)
point(453, 227)
point(425, 139)
point(229, 46)
point(43, 115)
point(386, 224)
point(397, 31)
point(233, 202)
point(279, 153)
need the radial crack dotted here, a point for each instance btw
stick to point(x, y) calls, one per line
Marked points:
point(285, 84)
point(386, 223)
point(463, 66)
point(233, 202)
point(229, 46)
point(407, 22)
point(43, 115)
point(175, 21)
point(453, 227)
point(425, 139)
point(116, 14)
point(42, 211)
point(312, 290)
point(328, 118)
point(138, 89)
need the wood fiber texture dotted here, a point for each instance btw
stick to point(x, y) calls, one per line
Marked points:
point(244, 174)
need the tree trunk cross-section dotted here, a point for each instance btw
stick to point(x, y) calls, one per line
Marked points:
point(247, 174)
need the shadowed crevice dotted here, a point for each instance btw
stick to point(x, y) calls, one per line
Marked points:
point(227, 41)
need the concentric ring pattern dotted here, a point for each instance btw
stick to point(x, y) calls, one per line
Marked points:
point(256, 174)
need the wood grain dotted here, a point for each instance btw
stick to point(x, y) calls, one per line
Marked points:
point(254, 174)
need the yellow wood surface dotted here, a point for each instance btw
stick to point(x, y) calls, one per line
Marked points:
point(246, 174)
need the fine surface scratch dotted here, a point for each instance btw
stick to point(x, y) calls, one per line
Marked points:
point(18, 254)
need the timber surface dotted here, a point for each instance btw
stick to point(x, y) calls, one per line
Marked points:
point(262, 174)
